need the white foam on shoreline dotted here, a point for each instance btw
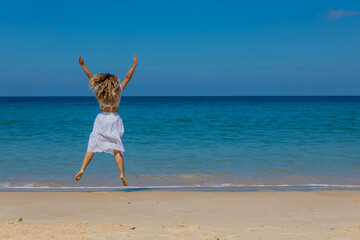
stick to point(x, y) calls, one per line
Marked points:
point(225, 185)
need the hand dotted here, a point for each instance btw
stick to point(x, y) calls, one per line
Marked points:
point(81, 61)
point(135, 60)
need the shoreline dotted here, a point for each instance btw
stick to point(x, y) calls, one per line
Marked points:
point(181, 215)
point(215, 188)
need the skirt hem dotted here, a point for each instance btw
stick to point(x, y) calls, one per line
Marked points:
point(112, 153)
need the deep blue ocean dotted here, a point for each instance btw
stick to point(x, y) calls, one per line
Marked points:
point(184, 141)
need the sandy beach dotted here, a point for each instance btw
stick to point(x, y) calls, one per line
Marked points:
point(180, 215)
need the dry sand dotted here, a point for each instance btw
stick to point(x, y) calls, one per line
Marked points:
point(180, 215)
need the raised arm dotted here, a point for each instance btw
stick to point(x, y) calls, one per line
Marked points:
point(129, 74)
point(86, 70)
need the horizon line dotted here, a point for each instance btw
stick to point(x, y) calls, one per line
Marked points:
point(193, 96)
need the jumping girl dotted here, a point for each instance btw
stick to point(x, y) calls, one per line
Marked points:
point(108, 128)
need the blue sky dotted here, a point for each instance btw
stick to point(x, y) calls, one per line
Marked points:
point(184, 48)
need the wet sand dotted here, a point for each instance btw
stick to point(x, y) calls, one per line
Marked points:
point(180, 215)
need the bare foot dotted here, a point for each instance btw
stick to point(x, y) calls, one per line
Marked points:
point(124, 180)
point(78, 176)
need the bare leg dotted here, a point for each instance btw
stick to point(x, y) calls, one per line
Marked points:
point(87, 159)
point(120, 163)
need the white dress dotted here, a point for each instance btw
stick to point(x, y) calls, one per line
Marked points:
point(108, 130)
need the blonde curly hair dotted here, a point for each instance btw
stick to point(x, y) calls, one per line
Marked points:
point(106, 86)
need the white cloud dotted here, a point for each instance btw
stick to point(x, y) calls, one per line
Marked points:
point(332, 14)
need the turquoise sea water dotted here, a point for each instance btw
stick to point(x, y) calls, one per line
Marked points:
point(184, 141)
